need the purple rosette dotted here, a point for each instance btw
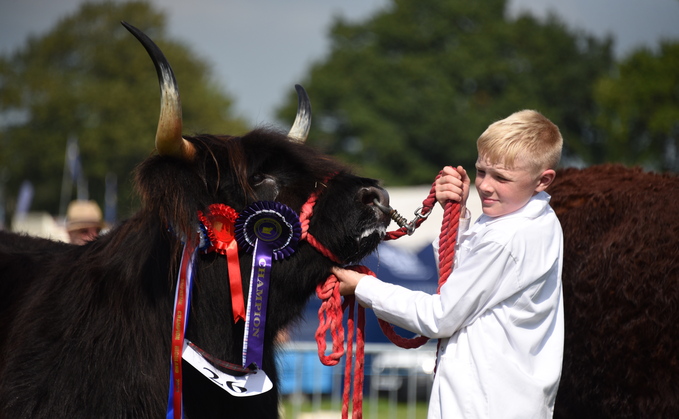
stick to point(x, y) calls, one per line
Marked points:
point(270, 222)
point(269, 231)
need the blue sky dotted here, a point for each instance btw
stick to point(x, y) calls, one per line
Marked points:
point(261, 48)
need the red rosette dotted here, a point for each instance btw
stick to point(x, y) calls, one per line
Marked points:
point(219, 225)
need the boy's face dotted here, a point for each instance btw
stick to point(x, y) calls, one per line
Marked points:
point(503, 190)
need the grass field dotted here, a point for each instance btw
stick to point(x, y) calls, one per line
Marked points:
point(326, 409)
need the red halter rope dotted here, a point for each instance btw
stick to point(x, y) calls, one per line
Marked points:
point(447, 240)
point(332, 309)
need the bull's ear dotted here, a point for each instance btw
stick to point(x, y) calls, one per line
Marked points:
point(300, 128)
point(169, 140)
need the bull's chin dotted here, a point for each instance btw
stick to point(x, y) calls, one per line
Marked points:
point(366, 244)
point(369, 233)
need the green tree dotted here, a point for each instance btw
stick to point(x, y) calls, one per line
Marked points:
point(88, 78)
point(411, 89)
point(639, 110)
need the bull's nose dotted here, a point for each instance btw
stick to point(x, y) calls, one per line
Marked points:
point(371, 194)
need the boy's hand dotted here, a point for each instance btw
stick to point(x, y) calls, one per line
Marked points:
point(453, 185)
point(348, 280)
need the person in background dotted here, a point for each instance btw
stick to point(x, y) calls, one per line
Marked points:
point(84, 221)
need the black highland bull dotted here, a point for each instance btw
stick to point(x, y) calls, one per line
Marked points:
point(85, 330)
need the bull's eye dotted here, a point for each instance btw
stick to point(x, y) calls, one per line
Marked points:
point(257, 178)
point(266, 188)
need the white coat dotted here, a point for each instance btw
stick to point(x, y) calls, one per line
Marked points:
point(499, 317)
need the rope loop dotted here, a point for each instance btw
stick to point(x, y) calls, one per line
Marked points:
point(330, 316)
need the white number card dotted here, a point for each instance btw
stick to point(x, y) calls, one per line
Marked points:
point(239, 386)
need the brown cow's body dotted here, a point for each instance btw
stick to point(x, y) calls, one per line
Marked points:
point(621, 293)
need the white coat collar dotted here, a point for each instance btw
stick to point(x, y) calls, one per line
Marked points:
point(535, 206)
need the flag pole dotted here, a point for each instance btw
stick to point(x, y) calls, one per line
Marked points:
point(70, 155)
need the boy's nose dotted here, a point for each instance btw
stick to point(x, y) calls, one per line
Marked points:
point(484, 187)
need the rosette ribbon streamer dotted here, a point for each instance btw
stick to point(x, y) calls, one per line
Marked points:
point(270, 231)
point(219, 224)
point(180, 321)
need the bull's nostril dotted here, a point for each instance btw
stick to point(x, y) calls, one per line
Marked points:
point(371, 195)
point(386, 210)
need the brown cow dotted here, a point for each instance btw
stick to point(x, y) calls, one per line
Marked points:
point(621, 292)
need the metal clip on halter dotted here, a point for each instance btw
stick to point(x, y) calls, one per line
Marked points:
point(400, 220)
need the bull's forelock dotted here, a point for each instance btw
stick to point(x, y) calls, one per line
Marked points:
point(221, 172)
point(174, 189)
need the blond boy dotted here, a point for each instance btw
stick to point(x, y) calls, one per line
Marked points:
point(500, 314)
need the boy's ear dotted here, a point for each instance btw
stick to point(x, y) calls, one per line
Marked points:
point(545, 179)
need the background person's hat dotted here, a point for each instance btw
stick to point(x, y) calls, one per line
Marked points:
point(83, 214)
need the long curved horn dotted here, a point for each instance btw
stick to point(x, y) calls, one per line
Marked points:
point(300, 128)
point(169, 140)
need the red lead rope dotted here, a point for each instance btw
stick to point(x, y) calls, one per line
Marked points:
point(447, 240)
point(331, 312)
point(330, 318)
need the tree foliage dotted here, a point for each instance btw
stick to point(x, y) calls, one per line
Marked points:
point(411, 89)
point(88, 78)
point(639, 110)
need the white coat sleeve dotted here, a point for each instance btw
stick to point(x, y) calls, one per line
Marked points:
point(487, 277)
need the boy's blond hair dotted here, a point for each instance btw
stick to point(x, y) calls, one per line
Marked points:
point(526, 135)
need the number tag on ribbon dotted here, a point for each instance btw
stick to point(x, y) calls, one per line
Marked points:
point(239, 386)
